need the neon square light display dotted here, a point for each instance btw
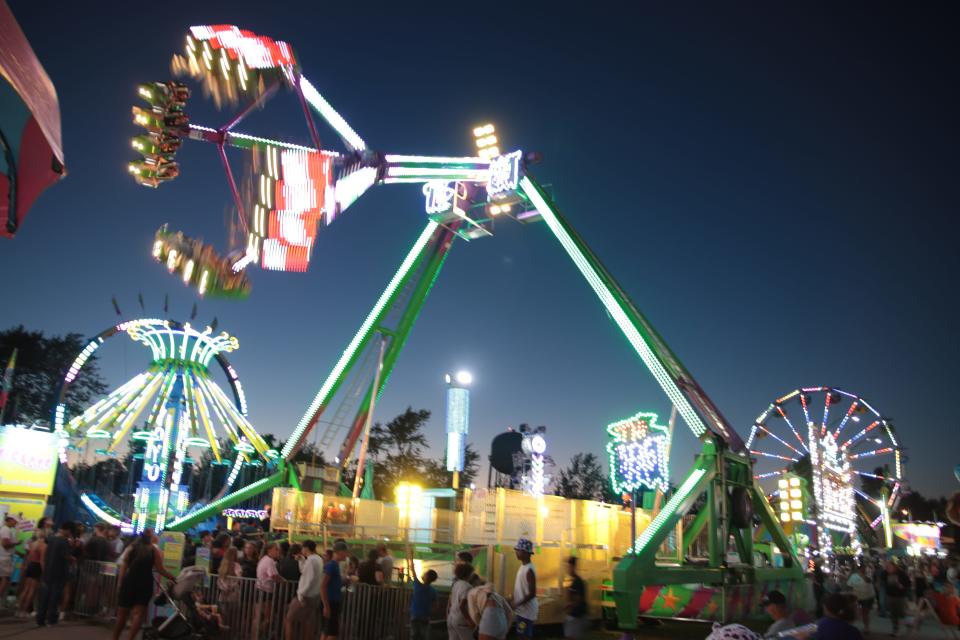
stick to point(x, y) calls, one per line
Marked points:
point(638, 454)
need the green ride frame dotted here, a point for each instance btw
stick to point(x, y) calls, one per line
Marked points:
point(721, 467)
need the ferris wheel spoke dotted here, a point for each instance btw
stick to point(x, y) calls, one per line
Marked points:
point(826, 414)
point(853, 407)
point(779, 439)
point(859, 435)
point(770, 474)
point(869, 454)
point(773, 455)
point(792, 428)
point(806, 410)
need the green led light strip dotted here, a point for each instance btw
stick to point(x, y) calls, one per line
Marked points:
point(322, 396)
point(619, 316)
point(214, 507)
point(668, 509)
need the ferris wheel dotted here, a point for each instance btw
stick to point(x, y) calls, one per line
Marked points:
point(846, 452)
point(173, 410)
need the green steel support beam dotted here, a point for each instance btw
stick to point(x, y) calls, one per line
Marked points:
point(639, 568)
point(292, 478)
point(215, 507)
point(349, 357)
point(669, 372)
point(713, 541)
point(399, 334)
point(691, 532)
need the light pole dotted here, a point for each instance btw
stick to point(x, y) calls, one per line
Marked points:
point(458, 421)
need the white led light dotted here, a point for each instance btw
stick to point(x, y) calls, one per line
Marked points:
point(616, 312)
point(334, 119)
point(669, 509)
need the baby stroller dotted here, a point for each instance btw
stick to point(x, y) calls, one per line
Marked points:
point(186, 622)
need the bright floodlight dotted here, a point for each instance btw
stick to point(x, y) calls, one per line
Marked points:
point(464, 377)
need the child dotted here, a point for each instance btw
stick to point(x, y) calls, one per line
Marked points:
point(424, 597)
point(207, 613)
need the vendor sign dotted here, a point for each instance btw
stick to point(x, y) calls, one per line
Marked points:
point(28, 461)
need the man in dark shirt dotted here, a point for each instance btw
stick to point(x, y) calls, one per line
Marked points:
point(220, 546)
point(577, 622)
point(289, 565)
point(896, 586)
point(98, 547)
point(55, 559)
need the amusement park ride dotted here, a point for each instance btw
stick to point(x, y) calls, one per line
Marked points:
point(295, 191)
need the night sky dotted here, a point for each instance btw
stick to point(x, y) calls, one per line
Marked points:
point(775, 186)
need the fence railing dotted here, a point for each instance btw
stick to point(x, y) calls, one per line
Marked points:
point(253, 613)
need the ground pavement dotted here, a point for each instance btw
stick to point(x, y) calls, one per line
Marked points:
point(80, 630)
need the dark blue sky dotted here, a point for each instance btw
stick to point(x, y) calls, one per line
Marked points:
point(776, 188)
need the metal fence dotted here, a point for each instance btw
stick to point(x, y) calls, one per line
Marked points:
point(251, 613)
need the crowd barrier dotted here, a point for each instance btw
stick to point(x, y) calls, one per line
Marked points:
point(367, 612)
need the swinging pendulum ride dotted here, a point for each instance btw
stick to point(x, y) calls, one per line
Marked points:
point(298, 190)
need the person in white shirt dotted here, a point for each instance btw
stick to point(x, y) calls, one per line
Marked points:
point(862, 587)
point(307, 603)
point(457, 626)
point(8, 540)
point(525, 604)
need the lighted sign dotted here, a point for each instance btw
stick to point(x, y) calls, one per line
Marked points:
point(639, 454)
point(919, 534)
point(245, 514)
point(535, 480)
point(832, 486)
point(28, 460)
point(504, 173)
point(439, 195)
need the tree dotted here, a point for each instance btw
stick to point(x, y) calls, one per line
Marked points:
point(41, 365)
point(402, 436)
point(584, 479)
point(436, 475)
point(397, 451)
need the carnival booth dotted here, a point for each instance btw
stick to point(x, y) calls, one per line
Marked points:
point(28, 464)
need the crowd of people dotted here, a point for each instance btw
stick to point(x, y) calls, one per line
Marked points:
point(908, 591)
point(50, 560)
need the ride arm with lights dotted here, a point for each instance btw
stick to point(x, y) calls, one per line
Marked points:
point(693, 404)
